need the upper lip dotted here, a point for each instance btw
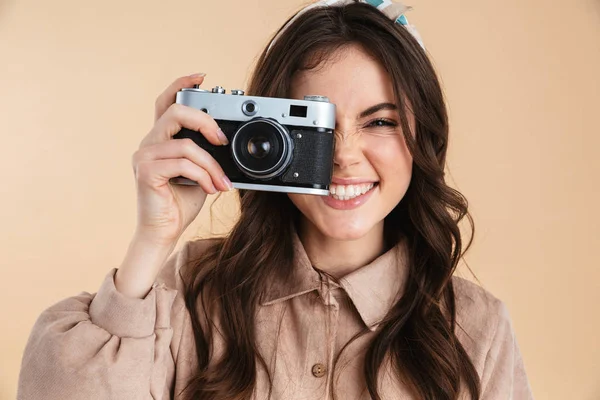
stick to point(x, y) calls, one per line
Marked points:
point(350, 181)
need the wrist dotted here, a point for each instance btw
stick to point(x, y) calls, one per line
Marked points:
point(142, 263)
point(147, 238)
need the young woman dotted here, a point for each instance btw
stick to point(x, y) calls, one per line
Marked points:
point(346, 296)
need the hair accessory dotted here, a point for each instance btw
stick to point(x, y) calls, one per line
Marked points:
point(392, 9)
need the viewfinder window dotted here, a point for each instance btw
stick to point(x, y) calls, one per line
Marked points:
point(298, 111)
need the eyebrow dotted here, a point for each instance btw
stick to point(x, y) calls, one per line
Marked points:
point(377, 107)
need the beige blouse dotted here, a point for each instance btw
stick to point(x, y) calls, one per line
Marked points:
point(108, 346)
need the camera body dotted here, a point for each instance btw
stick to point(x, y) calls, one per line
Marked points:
point(275, 144)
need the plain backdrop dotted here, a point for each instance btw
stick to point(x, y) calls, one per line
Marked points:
point(78, 82)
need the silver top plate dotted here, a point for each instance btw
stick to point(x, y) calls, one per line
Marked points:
point(319, 114)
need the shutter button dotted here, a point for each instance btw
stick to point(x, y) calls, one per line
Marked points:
point(318, 370)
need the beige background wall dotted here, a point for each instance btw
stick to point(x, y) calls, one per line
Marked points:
point(77, 85)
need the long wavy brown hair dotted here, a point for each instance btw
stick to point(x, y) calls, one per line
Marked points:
point(419, 331)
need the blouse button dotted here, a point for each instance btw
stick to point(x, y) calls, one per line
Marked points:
point(318, 370)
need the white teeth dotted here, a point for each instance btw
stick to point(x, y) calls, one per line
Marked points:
point(347, 192)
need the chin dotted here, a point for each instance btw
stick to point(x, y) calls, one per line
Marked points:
point(335, 224)
point(344, 230)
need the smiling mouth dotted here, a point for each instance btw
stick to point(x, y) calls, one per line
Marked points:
point(349, 192)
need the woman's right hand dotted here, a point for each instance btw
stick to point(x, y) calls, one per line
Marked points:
point(166, 210)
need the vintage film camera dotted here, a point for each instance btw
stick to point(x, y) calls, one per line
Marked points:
point(275, 144)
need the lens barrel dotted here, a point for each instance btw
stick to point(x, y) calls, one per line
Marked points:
point(262, 148)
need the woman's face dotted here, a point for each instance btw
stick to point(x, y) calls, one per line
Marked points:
point(372, 164)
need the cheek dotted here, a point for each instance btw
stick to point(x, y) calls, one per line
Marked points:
point(390, 158)
point(302, 201)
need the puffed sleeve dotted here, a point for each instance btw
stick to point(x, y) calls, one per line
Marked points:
point(106, 345)
point(504, 374)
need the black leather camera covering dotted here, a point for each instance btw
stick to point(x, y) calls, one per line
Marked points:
point(312, 159)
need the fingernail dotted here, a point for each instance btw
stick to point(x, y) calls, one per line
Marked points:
point(227, 183)
point(198, 75)
point(222, 137)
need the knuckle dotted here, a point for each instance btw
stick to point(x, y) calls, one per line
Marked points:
point(203, 176)
point(183, 164)
point(188, 145)
point(216, 167)
point(189, 148)
point(143, 170)
point(169, 113)
point(176, 110)
point(138, 157)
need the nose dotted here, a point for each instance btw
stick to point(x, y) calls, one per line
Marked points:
point(347, 149)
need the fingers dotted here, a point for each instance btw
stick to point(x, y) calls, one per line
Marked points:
point(187, 149)
point(179, 116)
point(171, 117)
point(158, 172)
point(159, 158)
point(166, 98)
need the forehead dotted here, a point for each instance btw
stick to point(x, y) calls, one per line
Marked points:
point(350, 78)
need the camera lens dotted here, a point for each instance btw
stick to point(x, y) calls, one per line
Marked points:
point(250, 107)
point(259, 147)
point(262, 148)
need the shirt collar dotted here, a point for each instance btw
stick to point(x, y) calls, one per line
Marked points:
point(373, 288)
